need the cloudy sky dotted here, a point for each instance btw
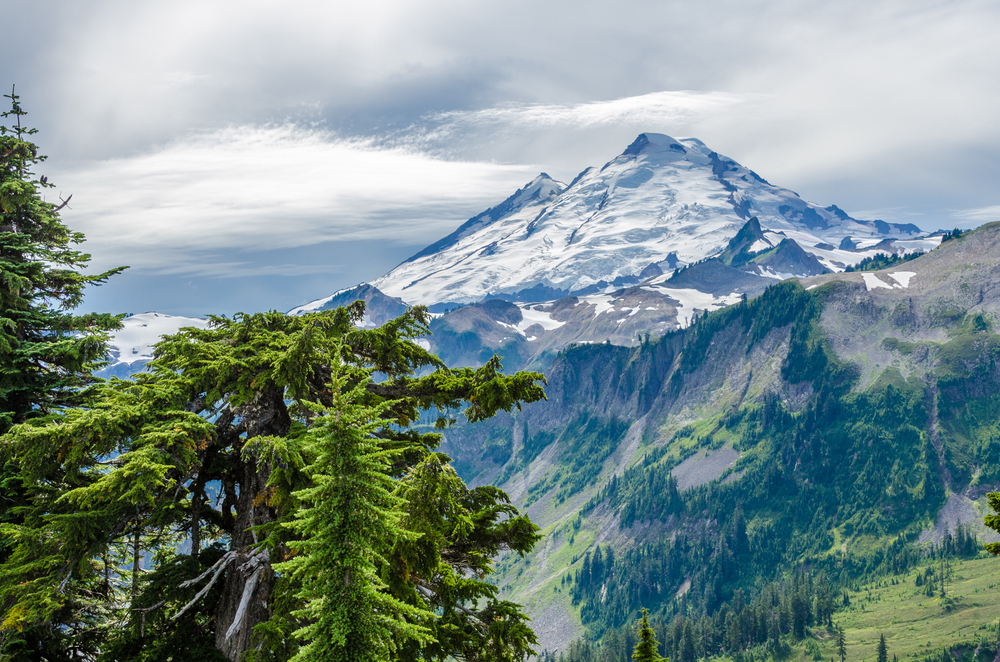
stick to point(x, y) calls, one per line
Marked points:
point(259, 154)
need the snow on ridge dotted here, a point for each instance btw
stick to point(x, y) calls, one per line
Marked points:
point(925, 244)
point(690, 301)
point(135, 340)
point(768, 272)
point(319, 303)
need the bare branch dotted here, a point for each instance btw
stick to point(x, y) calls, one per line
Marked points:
point(248, 590)
point(219, 566)
point(479, 624)
point(148, 609)
point(64, 203)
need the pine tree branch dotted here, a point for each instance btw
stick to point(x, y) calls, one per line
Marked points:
point(479, 624)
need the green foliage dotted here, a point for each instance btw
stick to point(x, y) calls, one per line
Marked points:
point(281, 415)
point(589, 441)
point(647, 650)
point(993, 521)
point(846, 464)
point(954, 234)
point(46, 352)
point(153, 635)
point(346, 518)
point(779, 305)
point(881, 651)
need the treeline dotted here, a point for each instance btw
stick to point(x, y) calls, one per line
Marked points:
point(799, 462)
point(883, 260)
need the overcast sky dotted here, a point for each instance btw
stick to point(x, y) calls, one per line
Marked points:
point(259, 154)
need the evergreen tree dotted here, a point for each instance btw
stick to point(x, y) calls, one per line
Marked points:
point(881, 650)
point(346, 518)
point(687, 651)
point(246, 405)
point(47, 354)
point(647, 649)
point(841, 644)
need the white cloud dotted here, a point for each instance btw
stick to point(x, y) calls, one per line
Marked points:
point(182, 207)
point(657, 108)
point(978, 215)
point(252, 189)
point(884, 105)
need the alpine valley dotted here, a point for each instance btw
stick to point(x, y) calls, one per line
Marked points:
point(765, 420)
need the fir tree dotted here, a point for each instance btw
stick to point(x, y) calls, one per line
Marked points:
point(348, 516)
point(841, 644)
point(246, 404)
point(881, 650)
point(647, 649)
point(47, 355)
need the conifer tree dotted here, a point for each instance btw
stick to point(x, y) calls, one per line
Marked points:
point(647, 649)
point(47, 353)
point(841, 644)
point(347, 517)
point(882, 652)
point(246, 405)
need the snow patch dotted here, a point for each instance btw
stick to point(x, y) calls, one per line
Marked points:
point(902, 277)
point(602, 302)
point(689, 301)
point(872, 282)
point(767, 272)
point(530, 317)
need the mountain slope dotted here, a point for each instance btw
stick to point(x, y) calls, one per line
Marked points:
point(660, 199)
point(840, 413)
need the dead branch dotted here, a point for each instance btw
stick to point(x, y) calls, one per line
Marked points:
point(219, 566)
point(64, 203)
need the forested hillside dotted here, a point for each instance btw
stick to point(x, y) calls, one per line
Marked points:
point(812, 437)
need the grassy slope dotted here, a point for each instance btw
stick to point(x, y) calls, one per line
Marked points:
point(915, 625)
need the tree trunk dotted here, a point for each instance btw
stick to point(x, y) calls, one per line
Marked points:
point(240, 573)
point(251, 579)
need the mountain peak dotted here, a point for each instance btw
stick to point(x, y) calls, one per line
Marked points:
point(653, 142)
point(662, 196)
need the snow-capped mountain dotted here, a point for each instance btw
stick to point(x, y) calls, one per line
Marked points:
point(661, 204)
